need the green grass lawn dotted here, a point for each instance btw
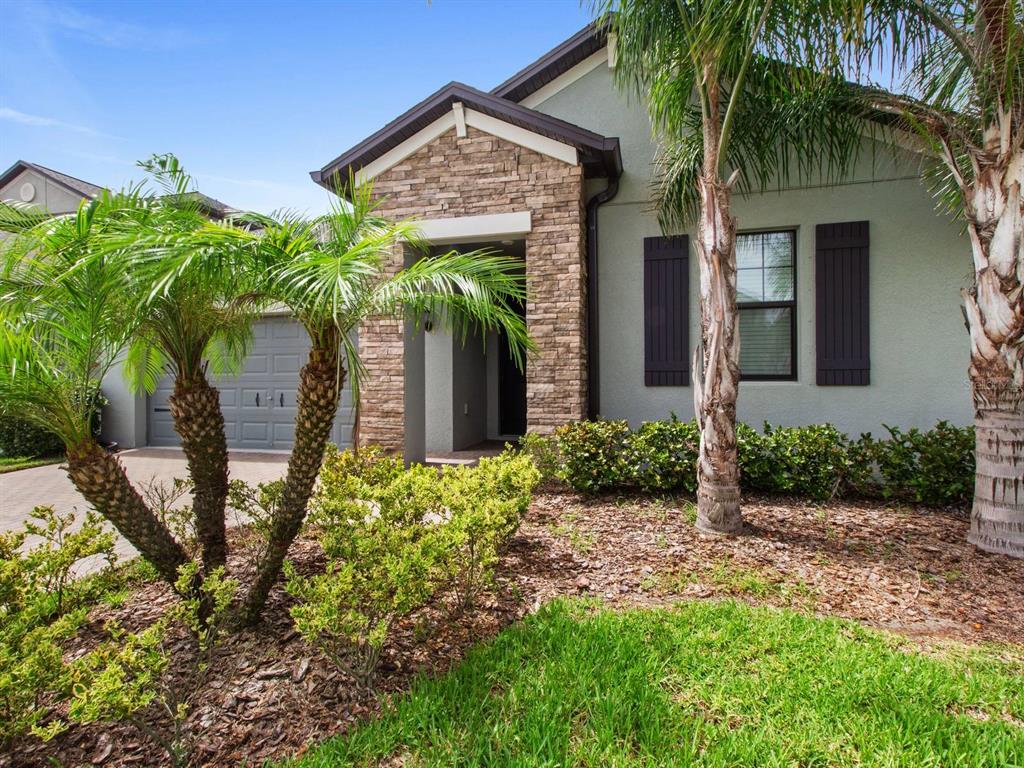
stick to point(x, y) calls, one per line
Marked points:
point(12, 463)
point(710, 684)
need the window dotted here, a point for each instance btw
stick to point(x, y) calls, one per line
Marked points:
point(766, 298)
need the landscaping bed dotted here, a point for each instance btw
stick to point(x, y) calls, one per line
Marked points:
point(899, 568)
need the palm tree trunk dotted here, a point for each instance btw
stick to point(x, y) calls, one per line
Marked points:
point(995, 313)
point(101, 479)
point(317, 405)
point(997, 516)
point(716, 381)
point(198, 419)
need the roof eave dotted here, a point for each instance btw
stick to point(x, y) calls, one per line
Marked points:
point(434, 106)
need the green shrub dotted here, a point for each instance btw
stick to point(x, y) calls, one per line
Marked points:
point(127, 673)
point(23, 438)
point(371, 465)
point(663, 456)
point(543, 451)
point(934, 467)
point(394, 538)
point(382, 563)
point(595, 455)
point(257, 508)
point(44, 602)
point(41, 607)
point(485, 505)
point(808, 461)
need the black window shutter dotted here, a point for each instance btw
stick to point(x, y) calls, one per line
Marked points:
point(666, 311)
point(841, 304)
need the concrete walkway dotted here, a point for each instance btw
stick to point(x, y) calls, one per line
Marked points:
point(25, 489)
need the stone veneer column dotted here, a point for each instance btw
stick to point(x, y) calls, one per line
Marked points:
point(382, 389)
point(556, 310)
point(470, 176)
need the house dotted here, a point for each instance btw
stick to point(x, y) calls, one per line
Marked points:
point(849, 295)
point(258, 405)
point(36, 185)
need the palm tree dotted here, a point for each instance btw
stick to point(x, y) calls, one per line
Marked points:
point(965, 101)
point(64, 318)
point(195, 312)
point(332, 273)
point(738, 91)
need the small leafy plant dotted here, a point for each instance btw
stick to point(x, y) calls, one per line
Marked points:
point(382, 563)
point(42, 605)
point(395, 538)
point(126, 677)
point(595, 455)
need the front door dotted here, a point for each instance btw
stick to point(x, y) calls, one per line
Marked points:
point(511, 391)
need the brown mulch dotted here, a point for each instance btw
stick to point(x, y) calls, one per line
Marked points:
point(268, 695)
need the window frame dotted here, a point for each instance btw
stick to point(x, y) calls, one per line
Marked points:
point(788, 304)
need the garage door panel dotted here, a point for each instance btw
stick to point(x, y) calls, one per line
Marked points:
point(256, 363)
point(284, 432)
point(286, 399)
point(288, 330)
point(279, 350)
point(289, 364)
point(257, 431)
point(254, 399)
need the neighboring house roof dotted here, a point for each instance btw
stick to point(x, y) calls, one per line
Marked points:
point(211, 206)
point(599, 155)
point(555, 62)
point(70, 183)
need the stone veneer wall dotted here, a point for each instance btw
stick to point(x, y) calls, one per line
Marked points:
point(481, 174)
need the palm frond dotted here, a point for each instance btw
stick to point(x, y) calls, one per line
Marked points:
point(476, 290)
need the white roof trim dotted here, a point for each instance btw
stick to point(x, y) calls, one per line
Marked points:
point(524, 138)
point(492, 125)
point(570, 76)
point(465, 229)
point(407, 148)
point(460, 119)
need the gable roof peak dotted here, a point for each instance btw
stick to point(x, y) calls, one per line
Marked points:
point(72, 184)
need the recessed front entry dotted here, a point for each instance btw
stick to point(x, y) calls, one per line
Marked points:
point(473, 391)
point(511, 390)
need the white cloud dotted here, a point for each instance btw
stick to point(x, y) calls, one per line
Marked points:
point(39, 121)
point(111, 32)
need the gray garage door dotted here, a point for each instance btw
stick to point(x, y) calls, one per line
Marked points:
point(259, 404)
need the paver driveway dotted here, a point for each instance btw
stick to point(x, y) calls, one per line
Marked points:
point(27, 488)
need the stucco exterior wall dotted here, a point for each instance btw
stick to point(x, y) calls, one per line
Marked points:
point(49, 196)
point(918, 263)
point(482, 174)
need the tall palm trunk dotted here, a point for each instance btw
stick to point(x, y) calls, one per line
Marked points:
point(995, 312)
point(317, 405)
point(716, 380)
point(199, 421)
point(101, 479)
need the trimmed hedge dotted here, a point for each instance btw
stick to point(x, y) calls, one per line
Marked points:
point(23, 438)
point(934, 467)
point(19, 437)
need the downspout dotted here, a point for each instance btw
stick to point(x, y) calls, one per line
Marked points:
point(593, 346)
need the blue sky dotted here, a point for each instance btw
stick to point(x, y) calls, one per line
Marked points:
point(250, 95)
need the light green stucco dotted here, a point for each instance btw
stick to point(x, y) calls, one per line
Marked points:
point(919, 263)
